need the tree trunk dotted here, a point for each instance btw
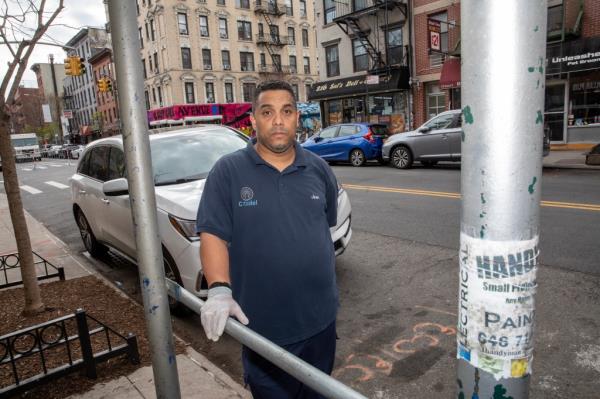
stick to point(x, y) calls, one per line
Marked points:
point(33, 300)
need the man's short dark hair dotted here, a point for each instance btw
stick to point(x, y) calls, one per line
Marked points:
point(272, 85)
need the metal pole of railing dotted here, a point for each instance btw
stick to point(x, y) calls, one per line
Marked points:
point(299, 369)
point(503, 80)
point(126, 48)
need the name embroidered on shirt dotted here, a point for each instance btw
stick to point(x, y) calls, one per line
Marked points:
point(314, 197)
point(248, 203)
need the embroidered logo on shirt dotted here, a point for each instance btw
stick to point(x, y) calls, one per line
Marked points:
point(314, 197)
point(247, 196)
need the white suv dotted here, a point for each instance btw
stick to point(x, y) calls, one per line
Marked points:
point(181, 161)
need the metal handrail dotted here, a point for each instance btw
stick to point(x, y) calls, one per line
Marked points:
point(299, 369)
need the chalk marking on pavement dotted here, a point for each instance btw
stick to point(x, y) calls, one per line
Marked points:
point(30, 189)
point(56, 184)
point(442, 194)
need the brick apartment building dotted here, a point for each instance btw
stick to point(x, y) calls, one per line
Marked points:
point(27, 110)
point(106, 118)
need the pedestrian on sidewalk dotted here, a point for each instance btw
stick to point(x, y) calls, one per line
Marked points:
point(266, 251)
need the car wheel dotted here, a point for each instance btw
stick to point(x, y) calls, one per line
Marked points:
point(428, 164)
point(401, 157)
point(357, 157)
point(172, 273)
point(87, 235)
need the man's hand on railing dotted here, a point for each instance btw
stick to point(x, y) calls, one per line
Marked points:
point(217, 308)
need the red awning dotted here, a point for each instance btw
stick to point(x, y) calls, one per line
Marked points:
point(85, 130)
point(450, 78)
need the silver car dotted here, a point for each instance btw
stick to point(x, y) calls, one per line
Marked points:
point(181, 161)
point(438, 139)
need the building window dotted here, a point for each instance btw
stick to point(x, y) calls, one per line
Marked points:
point(223, 33)
point(137, 7)
point(329, 8)
point(303, 8)
point(295, 90)
point(147, 31)
point(291, 36)
point(154, 95)
point(150, 63)
point(210, 92)
point(307, 65)
point(189, 93)
point(307, 88)
point(263, 59)
point(182, 23)
point(152, 30)
point(220, 2)
point(394, 44)
point(360, 56)
point(156, 69)
point(274, 31)
point(186, 58)
point(242, 3)
point(304, 37)
point(436, 100)
point(332, 59)
point(247, 61)
point(203, 26)
point(293, 65)
point(436, 58)
point(584, 104)
point(226, 60)
point(141, 38)
point(159, 91)
point(228, 92)
point(206, 59)
point(289, 8)
point(276, 61)
point(248, 90)
point(244, 30)
point(555, 19)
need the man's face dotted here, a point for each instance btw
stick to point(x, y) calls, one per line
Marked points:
point(275, 120)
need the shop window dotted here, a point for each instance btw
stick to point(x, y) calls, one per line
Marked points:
point(333, 112)
point(585, 103)
point(436, 100)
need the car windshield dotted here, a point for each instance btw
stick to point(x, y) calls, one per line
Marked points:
point(183, 158)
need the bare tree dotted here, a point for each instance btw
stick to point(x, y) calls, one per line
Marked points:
point(20, 41)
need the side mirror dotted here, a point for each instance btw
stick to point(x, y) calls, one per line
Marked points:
point(116, 187)
point(424, 129)
point(317, 139)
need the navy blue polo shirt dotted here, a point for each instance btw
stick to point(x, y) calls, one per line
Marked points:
point(282, 260)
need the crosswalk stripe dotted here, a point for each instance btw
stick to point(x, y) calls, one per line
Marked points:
point(56, 184)
point(56, 165)
point(42, 167)
point(30, 190)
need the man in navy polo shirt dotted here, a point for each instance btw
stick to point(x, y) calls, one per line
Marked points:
point(267, 253)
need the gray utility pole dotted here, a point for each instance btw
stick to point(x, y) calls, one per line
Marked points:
point(503, 60)
point(126, 47)
point(56, 101)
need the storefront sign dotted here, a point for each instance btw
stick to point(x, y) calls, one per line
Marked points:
point(434, 28)
point(67, 113)
point(396, 79)
point(572, 56)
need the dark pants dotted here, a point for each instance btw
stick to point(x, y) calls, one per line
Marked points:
point(268, 381)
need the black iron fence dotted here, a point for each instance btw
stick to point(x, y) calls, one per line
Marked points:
point(10, 265)
point(37, 354)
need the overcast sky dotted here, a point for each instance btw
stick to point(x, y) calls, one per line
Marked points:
point(76, 15)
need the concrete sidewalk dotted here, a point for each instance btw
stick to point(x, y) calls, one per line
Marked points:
point(568, 159)
point(198, 377)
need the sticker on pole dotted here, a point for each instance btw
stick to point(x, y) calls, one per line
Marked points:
point(496, 304)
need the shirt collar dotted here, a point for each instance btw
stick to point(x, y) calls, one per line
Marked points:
point(299, 159)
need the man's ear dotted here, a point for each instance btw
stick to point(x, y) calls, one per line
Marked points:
point(253, 121)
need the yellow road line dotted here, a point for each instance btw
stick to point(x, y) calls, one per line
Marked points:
point(443, 194)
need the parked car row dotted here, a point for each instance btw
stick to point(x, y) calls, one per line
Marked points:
point(437, 140)
point(65, 151)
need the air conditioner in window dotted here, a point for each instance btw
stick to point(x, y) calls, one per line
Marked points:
point(245, 68)
point(207, 67)
point(227, 67)
point(223, 36)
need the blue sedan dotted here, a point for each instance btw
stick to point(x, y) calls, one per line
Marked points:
point(352, 142)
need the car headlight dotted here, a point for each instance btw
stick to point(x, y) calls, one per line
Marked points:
point(186, 228)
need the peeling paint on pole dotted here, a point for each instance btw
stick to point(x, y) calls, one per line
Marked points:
point(496, 305)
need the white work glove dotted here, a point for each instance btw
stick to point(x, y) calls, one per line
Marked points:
point(217, 308)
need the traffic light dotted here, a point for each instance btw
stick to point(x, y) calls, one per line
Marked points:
point(68, 67)
point(102, 85)
point(81, 64)
point(109, 86)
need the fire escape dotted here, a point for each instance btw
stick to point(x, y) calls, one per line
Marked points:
point(350, 17)
point(271, 40)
